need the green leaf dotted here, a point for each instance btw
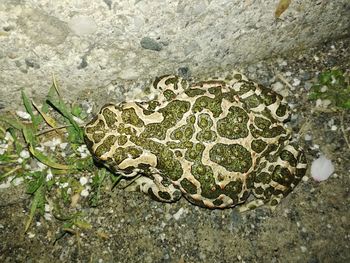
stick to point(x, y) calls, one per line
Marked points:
point(76, 110)
point(17, 144)
point(97, 181)
point(38, 202)
point(82, 224)
point(346, 105)
point(37, 181)
point(74, 136)
point(325, 78)
point(84, 164)
point(36, 119)
point(59, 105)
point(12, 122)
point(48, 119)
point(47, 161)
point(5, 158)
point(29, 135)
point(27, 104)
point(51, 93)
point(313, 96)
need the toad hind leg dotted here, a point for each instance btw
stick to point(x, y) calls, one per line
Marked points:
point(277, 178)
point(157, 188)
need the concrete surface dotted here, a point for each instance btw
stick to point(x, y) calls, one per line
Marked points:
point(102, 49)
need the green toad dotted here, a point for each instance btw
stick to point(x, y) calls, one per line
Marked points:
point(218, 143)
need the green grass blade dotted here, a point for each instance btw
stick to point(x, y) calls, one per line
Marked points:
point(36, 119)
point(27, 104)
point(12, 122)
point(60, 106)
point(38, 201)
point(52, 92)
point(47, 161)
point(29, 135)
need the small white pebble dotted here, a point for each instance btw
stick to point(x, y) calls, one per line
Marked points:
point(48, 216)
point(315, 147)
point(324, 88)
point(280, 89)
point(64, 185)
point(308, 137)
point(330, 122)
point(334, 128)
point(23, 115)
point(63, 145)
point(288, 74)
point(6, 184)
point(321, 168)
point(49, 175)
point(83, 180)
point(318, 103)
point(305, 178)
point(47, 208)
point(20, 160)
point(334, 80)
point(24, 154)
point(3, 148)
point(316, 58)
point(323, 103)
point(284, 63)
point(17, 181)
point(8, 137)
point(326, 103)
point(84, 193)
point(84, 152)
point(31, 235)
point(82, 148)
point(52, 143)
point(296, 82)
point(303, 249)
point(89, 109)
point(179, 213)
point(40, 148)
point(41, 166)
point(277, 86)
point(83, 155)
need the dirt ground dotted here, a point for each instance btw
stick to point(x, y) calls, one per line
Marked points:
point(310, 225)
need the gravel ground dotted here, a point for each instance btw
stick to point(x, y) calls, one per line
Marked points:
point(310, 225)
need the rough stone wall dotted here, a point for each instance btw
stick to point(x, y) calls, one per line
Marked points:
point(95, 47)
